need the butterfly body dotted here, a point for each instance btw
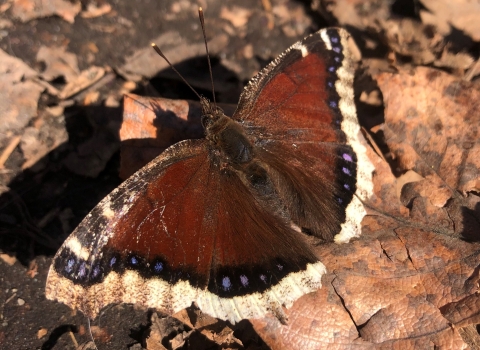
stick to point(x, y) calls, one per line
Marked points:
point(219, 221)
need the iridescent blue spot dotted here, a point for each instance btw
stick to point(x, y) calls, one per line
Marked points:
point(82, 271)
point(337, 59)
point(158, 267)
point(113, 261)
point(96, 271)
point(347, 186)
point(133, 260)
point(337, 49)
point(263, 278)
point(244, 280)
point(347, 157)
point(70, 264)
point(226, 283)
point(330, 84)
point(333, 104)
point(280, 267)
point(346, 171)
point(337, 121)
point(339, 200)
point(334, 39)
point(331, 69)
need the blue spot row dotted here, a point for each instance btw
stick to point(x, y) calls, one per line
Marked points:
point(227, 285)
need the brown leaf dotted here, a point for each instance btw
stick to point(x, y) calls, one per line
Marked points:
point(146, 63)
point(236, 15)
point(409, 38)
point(10, 260)
point(41, 333)
point(432, 127)
point(461, 14)
point(161, 330)
point(388, 287)
point(357, 13)
point(150, 125)
point(18, 95)
point(58, 63)
point(26, 10)
point(85, 79)
point(96, 10)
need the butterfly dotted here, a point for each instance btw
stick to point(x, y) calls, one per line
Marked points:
point(227, 221)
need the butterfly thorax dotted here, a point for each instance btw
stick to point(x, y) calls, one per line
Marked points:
point(226, 135)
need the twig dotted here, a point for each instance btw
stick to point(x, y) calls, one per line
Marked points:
point(8, 150)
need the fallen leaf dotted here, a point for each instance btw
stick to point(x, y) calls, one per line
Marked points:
point(360, 14)
point(146, 63)
point(461, 14)
point(41, 333)
point(58, 63)
point(409, 38)
point(150, 125)
point(460, 60)
point(32, 269)
point(161, 329)
point(18, 95)
point(237, 16)
point(26, 10)
point(85, 79)
point(432, 123)
point(13, 70)
point(94, 11)
point(8, 259)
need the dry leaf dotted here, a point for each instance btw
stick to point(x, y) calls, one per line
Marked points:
point(8, 259)
point(58, 63)
point(146, 63)
point(461, 14)
point(432, 127)
point(18, 95)
point(150, 125)
point(93, 11)
point(236, 15)
point(85, 79)
point(26, 10)
point(41, 333)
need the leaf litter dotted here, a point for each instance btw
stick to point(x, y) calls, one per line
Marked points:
point(410, 280)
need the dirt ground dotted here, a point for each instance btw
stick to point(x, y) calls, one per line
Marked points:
point(60, 143)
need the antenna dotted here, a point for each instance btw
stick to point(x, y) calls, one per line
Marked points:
point(202, 22)
point(157, 50)
point(160, 53)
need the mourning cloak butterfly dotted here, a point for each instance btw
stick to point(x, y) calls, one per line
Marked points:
point(221, 221)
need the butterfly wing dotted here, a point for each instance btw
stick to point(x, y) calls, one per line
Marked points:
point(183, 229)
point(301, 114)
